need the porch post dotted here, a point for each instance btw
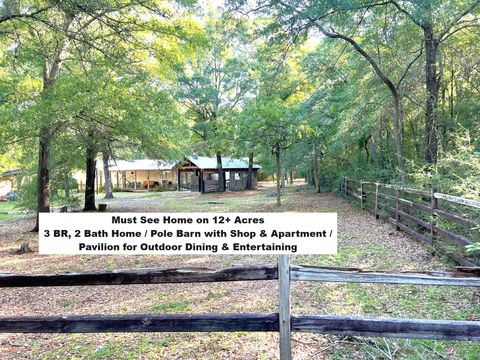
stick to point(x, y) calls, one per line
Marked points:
point(199, 174)
point(96, 180)
point(224, 180)
point(178, 179)
point(135, 180)
point(148, 180)
point(232, 181)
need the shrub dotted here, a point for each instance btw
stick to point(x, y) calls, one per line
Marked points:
point(456, 172)
point(27, 195)
point(162, 188)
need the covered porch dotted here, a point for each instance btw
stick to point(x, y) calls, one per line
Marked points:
point(139, 175)
point(200, 174)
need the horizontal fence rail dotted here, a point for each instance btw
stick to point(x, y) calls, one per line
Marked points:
point(458, 200)
point(140, 323)
point(388, 327)
point(460, 277)
point(324, 324)
point(283, 322)
point(419, 213)
point(141, 276)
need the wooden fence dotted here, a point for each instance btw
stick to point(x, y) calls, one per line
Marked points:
point(446, 223)
point(283, 322)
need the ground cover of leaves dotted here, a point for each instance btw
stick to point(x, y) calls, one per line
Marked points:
point(363, 243)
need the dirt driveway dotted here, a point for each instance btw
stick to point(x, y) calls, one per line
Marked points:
point(363, 242)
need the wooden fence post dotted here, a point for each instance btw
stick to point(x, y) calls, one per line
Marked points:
point(433, 207)
point(376, 201)
point(284, 307)
point(362, 194)
point(397, 205)
point(353, 189)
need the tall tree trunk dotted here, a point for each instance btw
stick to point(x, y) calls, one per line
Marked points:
point(43, 175)
point(398, 134)
point(397, 113)
point(50, 75)
point(90, 179)
point(106, 171)
point(450, 98)
point(311, 177)
point(431, 140)
point(278, 171)
point(316, 173)
point(418, 151)
point(373, 150)
point(66, 185)
point(250, 172)
point(291, 178)
point(221, 174)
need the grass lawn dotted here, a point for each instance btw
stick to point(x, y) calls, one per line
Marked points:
point(363, 242)
point(9, 210)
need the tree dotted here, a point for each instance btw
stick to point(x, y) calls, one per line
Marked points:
point(212, 86)
point(438, 20)
point(276, 125)
point(66, 32)
point(130, 112)
point(327, 19)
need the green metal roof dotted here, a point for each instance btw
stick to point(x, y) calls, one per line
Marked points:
point(204, 162)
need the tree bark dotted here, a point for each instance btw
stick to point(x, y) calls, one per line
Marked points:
point(433, 79)
point(50, 75)
point(311, 177)
point(291, 178)
point(278, 171)
point(398, 133)
point(250, 172)
point(316, 173)
point(221, 174)
point(43, 175)
point(90, 179)
point(432, 85)
point(108, 179)
point(66, 184)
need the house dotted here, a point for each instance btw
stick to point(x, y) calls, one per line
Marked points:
point(143, 174)
point(201, 174)
point(8, 182)
point(193, 173)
